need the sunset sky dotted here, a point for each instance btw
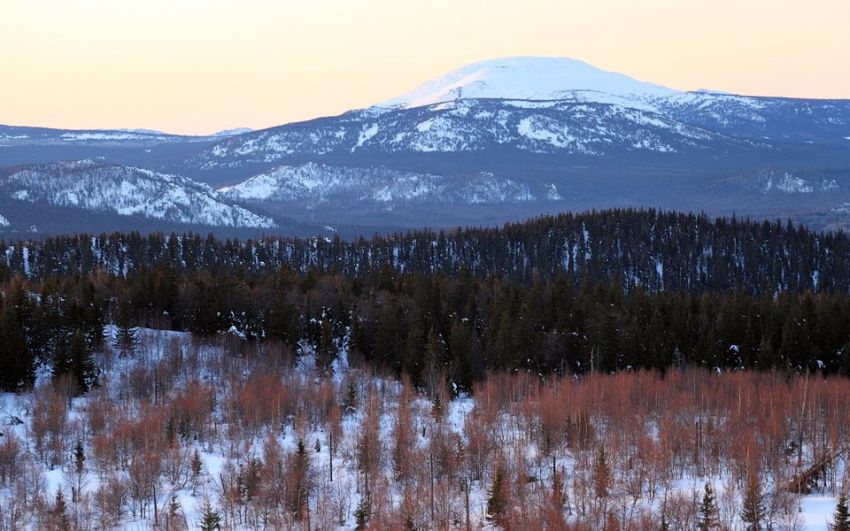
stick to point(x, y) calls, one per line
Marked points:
point(197, 66)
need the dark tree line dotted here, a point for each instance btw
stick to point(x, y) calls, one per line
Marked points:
point(53, 322)
point(432, 327)
point(658, 251)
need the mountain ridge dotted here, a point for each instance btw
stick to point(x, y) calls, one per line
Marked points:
point(481, 138)
point(125, 191)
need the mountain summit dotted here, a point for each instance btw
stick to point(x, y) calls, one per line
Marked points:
point(530, 78)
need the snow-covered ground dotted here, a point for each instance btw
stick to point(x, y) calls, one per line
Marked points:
point(140, 393)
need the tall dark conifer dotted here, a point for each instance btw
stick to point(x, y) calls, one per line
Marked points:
point(82, 364)
point(17, 364)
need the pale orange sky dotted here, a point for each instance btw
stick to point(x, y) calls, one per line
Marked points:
point(197, 66)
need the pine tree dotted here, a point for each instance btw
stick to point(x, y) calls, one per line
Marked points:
point(210, 520)
point(841, 518)
point(753, 512)
point(708, 514)
point(496, 502)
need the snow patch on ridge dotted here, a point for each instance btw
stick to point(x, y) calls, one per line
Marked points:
point(366, 134)
point(320, 183)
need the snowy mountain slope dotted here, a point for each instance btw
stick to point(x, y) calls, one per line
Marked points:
point(125, 191)
point(783, 119)
point(468, 126)
point(318, 183)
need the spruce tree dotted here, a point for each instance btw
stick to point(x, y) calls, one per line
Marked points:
point(708, 514)
point(363, 511)
point(210, 520)
point(841, 518)
point(496, 502)
point(126, 335)
point(82, 364)
point(300, 471)
point(79, 456)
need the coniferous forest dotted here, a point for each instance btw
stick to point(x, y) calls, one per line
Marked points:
point(602, 291)
point(599, 370)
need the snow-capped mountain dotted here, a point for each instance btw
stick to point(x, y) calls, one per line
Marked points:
point(534, 78)
point(568, 80)
point(546, 106)
point(126, 191)
point(506, 139)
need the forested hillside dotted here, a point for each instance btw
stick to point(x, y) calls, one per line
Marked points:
point(658, 251)
point(410, 304)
